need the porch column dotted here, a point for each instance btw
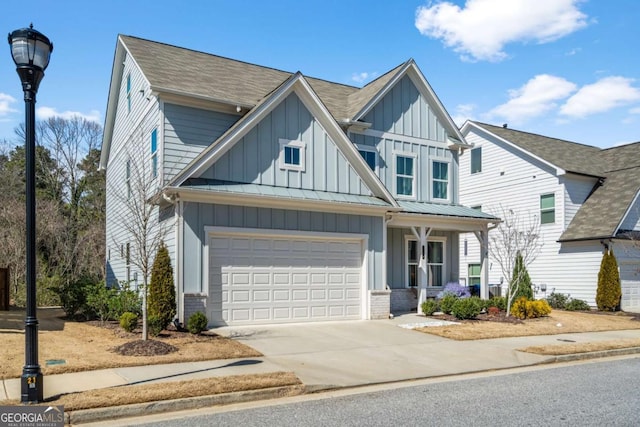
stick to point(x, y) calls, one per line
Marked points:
point(423, 253)
point(483, 238)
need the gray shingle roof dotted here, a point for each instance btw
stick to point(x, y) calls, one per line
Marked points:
point(443, 210)
point(601, 214)
point(180, 70)
point(570, 156)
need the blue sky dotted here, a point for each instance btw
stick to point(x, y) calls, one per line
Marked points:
point(568, 69)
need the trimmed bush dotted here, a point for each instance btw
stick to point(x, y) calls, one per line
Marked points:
point(499, 302)
point(429, 307)
point(520, 285)
point(525, 309)
point(162, 293)
point(446, 303)
point(99, 302)
point(466, 308)
point(493, 311)
point(577, 305)
point(128, 321)
point(126, 300)
point(558, 300)
point(456, 289)
point(197, 322)
point(609, 291)
point(73, 296)
point(155, 325)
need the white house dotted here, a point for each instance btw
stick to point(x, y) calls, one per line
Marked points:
point(284, 198)
point(585, 198)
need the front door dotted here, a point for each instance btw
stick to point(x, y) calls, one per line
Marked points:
point(435, 262)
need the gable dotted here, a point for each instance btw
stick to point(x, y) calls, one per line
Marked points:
point(404, 110)
point(255, 158)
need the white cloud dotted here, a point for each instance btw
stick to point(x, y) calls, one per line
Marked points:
point(634, 110)
point(362, 77)
point(481, 29)
point(463, 113)
point(603, 95)
point(534, 98)
point(44, 113)
point(5, 104)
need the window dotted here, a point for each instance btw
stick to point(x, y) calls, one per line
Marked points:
point(475, 271)
point(154, 153)
point(547, 209)
point(292, 155)
point(369, 154)
point(440, 180)
point(128, 179)
point(405, 175)
point(435, 262)
point(476, 160)
point(128, 92)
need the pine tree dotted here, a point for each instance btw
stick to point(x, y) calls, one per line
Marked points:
point(520, 285)
point(162, 293)
point(609, 290)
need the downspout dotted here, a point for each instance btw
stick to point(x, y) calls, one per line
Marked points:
point(174, 200)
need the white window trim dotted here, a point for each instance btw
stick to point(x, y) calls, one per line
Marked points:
point(445, 272)
point(361, 147)
point(414, 195)
point(471, 160)
point(292, 143)
point(431, 180)
point(541, 210)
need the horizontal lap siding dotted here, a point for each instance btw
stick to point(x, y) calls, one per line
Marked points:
point(197, 216)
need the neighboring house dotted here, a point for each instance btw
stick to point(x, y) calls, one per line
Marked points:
point(285, 198)
point(585, 198)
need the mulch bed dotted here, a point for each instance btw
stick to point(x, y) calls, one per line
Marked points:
point(145, 348)
point(483, 317)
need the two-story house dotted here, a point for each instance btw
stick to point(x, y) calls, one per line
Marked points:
point(584, 199)
point(284, 198)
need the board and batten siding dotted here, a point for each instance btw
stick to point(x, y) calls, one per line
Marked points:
point(404, 111)
point(197, 216)
point(255, 157)
point(397, 255)
point(187, 132)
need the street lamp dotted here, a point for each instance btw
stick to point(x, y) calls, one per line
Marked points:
point(30, 50)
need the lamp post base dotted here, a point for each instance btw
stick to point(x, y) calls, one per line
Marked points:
point(31, 387)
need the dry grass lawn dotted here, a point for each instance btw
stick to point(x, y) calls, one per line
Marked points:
point(562, 349)
point(126, 395)
point(558, 322)
point(85, 347)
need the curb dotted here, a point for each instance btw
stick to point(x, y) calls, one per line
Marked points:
point(592, 355)
point(126, 411)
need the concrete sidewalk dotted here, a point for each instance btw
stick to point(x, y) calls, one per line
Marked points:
point(327, 356)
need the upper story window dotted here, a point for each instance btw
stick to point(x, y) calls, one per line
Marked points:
point(292, 155)
point(405, 175)
point(369, 154)
point(154, 153)
point(128, 92)
point(547, 209)
point(440, 180)
point(476, 160)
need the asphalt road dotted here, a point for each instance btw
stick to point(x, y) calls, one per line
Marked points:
point(605, 393)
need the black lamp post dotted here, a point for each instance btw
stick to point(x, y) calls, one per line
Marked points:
point(30, 50)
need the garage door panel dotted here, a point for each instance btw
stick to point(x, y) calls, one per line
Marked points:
point(630, 284)
point(271, 280)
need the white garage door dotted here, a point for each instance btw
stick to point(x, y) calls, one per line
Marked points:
point(267, 279)
point(630, 281)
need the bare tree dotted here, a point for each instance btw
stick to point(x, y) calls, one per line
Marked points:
point(513, 236)
point(140, 221)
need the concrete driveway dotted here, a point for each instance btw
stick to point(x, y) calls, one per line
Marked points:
point(343, 354)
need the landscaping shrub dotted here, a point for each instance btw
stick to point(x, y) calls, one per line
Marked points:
point(493, 311)
point(128, 321)
point(456, 289)
point(466, 308)
point(577, 305)
point(155, 325)
point(126, 300)
point(498, 302)
point(73, 295)
point(446, 303)
point(525, 309)
point(99, 302)
point(520, 285)
point(558, 300)
point(162, 293)
point(609, 291)
point(197, 322)
point(429, 307)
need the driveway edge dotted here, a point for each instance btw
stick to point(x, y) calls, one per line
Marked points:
point(592, 355)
